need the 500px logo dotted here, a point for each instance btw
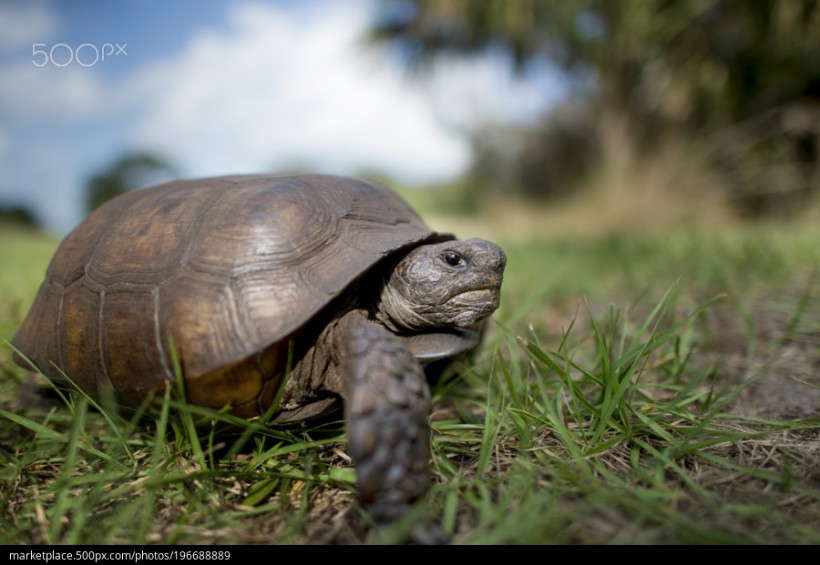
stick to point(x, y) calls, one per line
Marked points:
point(85, 54)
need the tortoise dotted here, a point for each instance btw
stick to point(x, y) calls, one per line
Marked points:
point(239, 274)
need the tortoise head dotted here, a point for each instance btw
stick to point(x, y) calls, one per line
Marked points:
point(439, 285)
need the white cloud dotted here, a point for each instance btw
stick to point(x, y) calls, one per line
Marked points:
point(49, 93)
point(286, 89)
point(279, 86)
point(35, 83)
point(22, 23)
point(467, 92)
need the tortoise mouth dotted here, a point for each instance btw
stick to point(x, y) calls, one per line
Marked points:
point(480, 296)
point(480, 300)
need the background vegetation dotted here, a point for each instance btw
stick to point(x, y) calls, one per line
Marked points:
point(731, 86)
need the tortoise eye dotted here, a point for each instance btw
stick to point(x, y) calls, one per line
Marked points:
point(453, 259)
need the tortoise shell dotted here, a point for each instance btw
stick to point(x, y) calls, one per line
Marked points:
point(225, 269)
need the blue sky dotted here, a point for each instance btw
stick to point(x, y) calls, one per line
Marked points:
point(230, 87)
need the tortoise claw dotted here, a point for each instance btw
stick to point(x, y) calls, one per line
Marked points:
point(387, 406)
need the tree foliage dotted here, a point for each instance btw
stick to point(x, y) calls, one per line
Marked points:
point(130, 171)
point(741, 75)
point(18, 216)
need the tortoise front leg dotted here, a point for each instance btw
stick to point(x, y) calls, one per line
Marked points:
point(387, 405)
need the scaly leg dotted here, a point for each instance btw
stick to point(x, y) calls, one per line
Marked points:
point(387, 406)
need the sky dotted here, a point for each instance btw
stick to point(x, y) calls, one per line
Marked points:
point(218, 87)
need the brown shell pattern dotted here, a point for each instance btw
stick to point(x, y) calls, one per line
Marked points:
point(226, 267)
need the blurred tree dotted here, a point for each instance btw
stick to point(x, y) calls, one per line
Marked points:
point(724, 71)
point(18, 216)
point(130, 171)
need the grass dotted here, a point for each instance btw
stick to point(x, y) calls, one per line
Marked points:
point(623, 395)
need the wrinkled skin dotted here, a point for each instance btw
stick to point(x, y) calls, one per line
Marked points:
point(360, 357)
point(387, 401)
point(455, 283)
